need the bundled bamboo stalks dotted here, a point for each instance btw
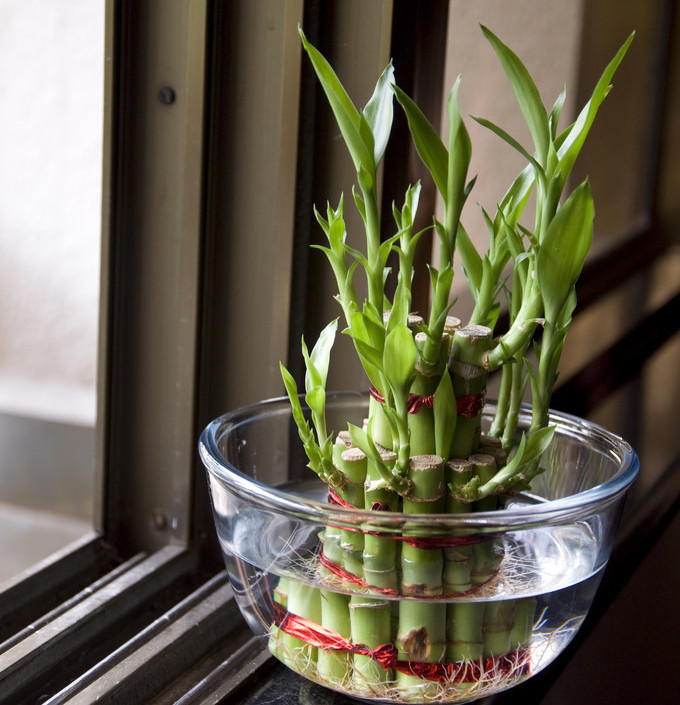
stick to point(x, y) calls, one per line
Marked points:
point(401, 613)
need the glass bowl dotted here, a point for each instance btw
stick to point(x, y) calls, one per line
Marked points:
point(295, 561)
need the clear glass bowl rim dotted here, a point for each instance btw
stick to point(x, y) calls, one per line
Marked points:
point(569, 508)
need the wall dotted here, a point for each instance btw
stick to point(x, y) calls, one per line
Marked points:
point(51, 68)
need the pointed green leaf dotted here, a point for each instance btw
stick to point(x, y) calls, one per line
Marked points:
point(526, 93)
point(571, 146)
point(516, 197)
point(556, 111)
point(500, 132)
point(472, 262)
point(379, 112)
point(428, 144)
point(322, 349)
point(562, 253)
point(445, 415)
point(316, 401)
point(367, 327)
point(368, 354)
point(460, 151)
point(399, 358)
point(346, 114)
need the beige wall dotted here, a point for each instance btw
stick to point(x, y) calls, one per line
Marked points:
point(51, 87)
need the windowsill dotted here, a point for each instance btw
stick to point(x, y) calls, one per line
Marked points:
point(28, 536)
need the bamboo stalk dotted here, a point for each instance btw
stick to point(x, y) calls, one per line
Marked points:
point(421, 568)
point(421, 634)
point(421, 424)
point(371, 626)
point(498, 625)
point(305, 601)
point(525, 615)
point(465, 631)
point(487, 553)
point(420, 638)
point(469, 376)
point(458, 560)
point(335, 666)
point(380, 553)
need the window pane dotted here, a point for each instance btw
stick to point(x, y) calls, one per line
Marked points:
point(51, 85)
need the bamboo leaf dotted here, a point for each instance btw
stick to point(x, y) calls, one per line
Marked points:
point(379, 112)
point(316, 401)
point(526, 93)
point(428, 144)
point(509, 139)
point(472, 261)
point(460, 151)
point(363, 440)
point(563, 250)
point(538, 441)
point(399, 358)
point(360, 203)
point(556, 111)
point(368, 354)
point(517, 195)
point(368, 328)
point(312, 377)
point(571, 146)
point(445, 414)
point(321, 352)
point(292, 391)
point(346, 114)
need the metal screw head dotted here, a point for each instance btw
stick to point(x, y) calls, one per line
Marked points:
point(166, 95)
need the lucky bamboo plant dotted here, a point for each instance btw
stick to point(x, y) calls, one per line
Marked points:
point(422, 449)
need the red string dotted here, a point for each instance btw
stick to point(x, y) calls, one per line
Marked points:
point(345, 575)
point(415, 541)
point(469, 405)
point(335, 498)
point(414, 403)
point(388, 657)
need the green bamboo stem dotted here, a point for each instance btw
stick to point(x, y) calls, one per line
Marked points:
point(465, 631)
point(422, 568)
point(458, 560)
point(487, 554)
point(498, 625)
point(305, 601)
point(518, 379)
point(370, 625)
point(380, 554)
point(420, 638)
point(525, 616)
point(469, 376)
point(502, 402)
point(421, 424)
point(381, 427)
point(421, 634)
point(354, 465)
point(335, 666)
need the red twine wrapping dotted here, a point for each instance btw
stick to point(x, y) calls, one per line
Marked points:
point(388, 657)
point(335, 498)
point(468, 406)
point(415, 541)
point(345, 575)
